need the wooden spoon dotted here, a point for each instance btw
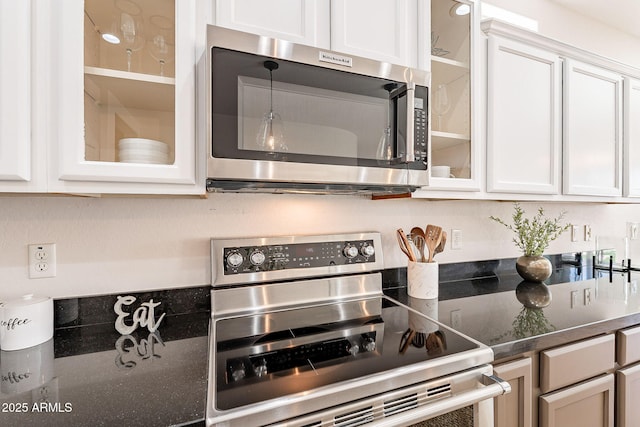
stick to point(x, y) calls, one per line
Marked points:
point(443, 243)
point(404, 244)
point(433, 235)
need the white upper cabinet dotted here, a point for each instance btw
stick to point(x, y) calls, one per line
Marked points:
point(631, 137)
point(524, 118)
point(19, 163)
point(298, 21)
point(383, 30)
point(592, 130)
point(379, 29)
point(122, 116)
point(456, 100)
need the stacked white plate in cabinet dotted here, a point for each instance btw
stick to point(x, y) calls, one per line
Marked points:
point(141, 150)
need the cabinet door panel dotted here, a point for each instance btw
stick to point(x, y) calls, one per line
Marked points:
point(377, 29)
point(631, 137)
point(98, 100)
point(15, 87)
point(524, 118)
point(299, 21)
point(588, 404)
point(628, 389)
point(514, 409)
point(592, 130)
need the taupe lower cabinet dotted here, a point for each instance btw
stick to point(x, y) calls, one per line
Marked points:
point(628, 391)
point(628, 378)
point(514, 409)
point(580, 390)
point(588, 404)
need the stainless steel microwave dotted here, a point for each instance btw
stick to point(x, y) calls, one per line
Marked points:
point(289, 117)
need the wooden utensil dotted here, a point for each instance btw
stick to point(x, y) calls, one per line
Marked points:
point(406, 339)
point(433, 236)
point(404, 245)
point(443, 243)
point(417, 235)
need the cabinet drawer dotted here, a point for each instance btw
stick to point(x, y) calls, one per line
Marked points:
point(628, 346)
point(572, 363)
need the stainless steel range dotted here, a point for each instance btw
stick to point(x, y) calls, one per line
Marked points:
point(302, 335)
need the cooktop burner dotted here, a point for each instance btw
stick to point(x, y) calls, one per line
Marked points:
point(273, 354)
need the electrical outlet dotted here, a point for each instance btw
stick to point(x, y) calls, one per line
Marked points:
point(456, 318)
point(574, 233)
point(574, 298)
point(587, 233)
point(42, 260)
point(456, 239)
point(633, 230)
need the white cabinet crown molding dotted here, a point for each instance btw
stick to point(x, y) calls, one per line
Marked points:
point(493, 26)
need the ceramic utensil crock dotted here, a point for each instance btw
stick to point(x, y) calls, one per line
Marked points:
point(25, 322)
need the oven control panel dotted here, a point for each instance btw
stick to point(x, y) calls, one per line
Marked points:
point(254, 260)
point(248, 259)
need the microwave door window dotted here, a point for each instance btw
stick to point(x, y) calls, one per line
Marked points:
point(313, 121)
point(301, 113)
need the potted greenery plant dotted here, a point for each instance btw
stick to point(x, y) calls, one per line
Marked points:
point(533, 236)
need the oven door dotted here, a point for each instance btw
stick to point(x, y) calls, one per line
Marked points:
point(461, 400)
point(283, 120)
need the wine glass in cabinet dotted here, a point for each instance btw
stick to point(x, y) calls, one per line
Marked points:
point(137, 85)
point(453, 46)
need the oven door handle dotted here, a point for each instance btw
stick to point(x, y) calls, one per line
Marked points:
point(494, 386)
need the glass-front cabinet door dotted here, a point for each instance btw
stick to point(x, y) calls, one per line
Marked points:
point(454, 161)
point(123, 96)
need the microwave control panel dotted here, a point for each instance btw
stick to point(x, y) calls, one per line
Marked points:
point(420, 130)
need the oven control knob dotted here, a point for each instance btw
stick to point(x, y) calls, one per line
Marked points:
point(368, 344)
point(353, 348)
point(238, 373)
point(257, 257)
point(367, 250)
point(260, 368)
point(235, 259)
point(350, 251)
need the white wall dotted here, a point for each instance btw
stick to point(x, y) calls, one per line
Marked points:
point(111, 245)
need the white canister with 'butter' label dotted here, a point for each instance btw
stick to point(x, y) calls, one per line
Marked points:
point(25, 322)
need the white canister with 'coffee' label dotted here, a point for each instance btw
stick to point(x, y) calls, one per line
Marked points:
point(25, 322)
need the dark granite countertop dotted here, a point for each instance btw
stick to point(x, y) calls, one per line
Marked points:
point(489, 308)
point(91, 375)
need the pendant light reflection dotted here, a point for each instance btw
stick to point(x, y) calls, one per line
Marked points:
point(384, 153)
point(270, 136)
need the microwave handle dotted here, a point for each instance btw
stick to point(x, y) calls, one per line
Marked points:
point(410, 154)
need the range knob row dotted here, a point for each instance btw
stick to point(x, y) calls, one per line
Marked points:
point(257, 257)
point(235, 259)
point(351, 251)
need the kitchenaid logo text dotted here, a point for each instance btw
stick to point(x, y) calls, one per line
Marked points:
point(12, 323)
point(336, 59)
point(142, 316)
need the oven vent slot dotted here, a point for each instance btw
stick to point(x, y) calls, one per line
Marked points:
point(315, 424)
point(354, 418)
point(392, 407)
point(436, 391)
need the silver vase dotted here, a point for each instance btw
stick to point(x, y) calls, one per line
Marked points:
point(533, 268)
